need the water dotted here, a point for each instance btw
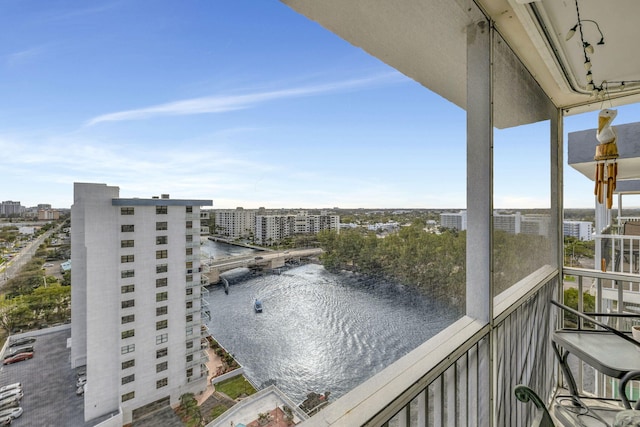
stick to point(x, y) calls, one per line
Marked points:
point(321, 331)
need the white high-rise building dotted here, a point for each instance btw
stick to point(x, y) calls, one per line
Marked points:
point(454, 220)
point(137, 311)
point(581, 230)
point(271, 229)
point(235, 223)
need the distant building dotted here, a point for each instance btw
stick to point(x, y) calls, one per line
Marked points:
point(509, 223)
point(236, 223)
point(581, 230)
point(535, 224)
point(27, 230)
point(10, 208)
point(457, 221)
point(48, 214)
point(270, 229)
point(137, 310)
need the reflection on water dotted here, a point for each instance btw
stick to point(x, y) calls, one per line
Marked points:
point(321, 331)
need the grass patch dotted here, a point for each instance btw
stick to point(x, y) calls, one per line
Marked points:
point(216, 411)
point(235, 387)
point(569, 278)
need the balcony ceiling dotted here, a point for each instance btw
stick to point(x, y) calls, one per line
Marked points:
point(426, 40)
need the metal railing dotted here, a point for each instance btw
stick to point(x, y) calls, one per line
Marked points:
point(619, 253)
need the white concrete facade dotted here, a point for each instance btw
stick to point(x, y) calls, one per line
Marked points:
point(136, 304)
point(454, 220)
point(235, 223)
point(581, 230)
point(271, 229)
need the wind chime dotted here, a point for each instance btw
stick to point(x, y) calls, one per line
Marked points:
point(606, 155)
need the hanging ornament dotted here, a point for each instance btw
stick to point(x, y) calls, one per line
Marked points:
point(606, 155)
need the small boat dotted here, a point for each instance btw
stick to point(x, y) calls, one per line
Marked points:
point(257, 306)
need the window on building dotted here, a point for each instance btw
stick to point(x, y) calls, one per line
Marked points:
point(161, 240)
point(161, 225)
point(126, 258)
point(162, 268)
point(189, 278)
point(189, 357)
point(189, 291)
point(189, 372)
point(162, 310)
point(126, 243)
point(161, 353)
point(128, 364)
point(162, 367)
point(128, 396)
point(189, 304)
point(161, 383)
point(189, 209)
point(161, 282)
point(128, 379)
point(189, 344)
point(128, 303)
point(162, 338)
point(127, 334)
point(162, 296)
point(162, 324)
point(128, 318)
point(189, 237)
point(161, 210)
point(189, 251)
point(162, 254)
point(127, 288)
point(127, 349)
point(189, 264)
point(127, 228)
point(126, 211)
point(189, 225)
point(189, 330)
point(127, 273)
point(189, 318)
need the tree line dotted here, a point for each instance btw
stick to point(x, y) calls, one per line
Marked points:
point(435, 263)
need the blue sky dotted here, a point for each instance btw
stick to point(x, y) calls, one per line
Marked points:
point(246, 103)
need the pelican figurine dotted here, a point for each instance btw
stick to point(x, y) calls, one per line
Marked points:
point(606, 133)
point(606, 155)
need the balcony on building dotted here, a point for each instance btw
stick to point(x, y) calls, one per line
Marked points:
point(507, 65)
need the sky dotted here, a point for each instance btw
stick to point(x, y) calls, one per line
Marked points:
point(245, 103)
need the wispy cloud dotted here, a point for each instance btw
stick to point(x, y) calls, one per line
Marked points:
point(27, 55)
point(221, 104)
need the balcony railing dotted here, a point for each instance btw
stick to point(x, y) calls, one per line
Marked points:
point(619, 253)
point(446, 381)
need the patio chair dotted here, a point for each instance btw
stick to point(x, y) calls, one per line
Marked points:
point(542, 417)
point(608, 350)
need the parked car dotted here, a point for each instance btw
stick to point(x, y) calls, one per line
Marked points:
point(10, 387)
point(81, 381)
point(5, 421)
point(16, 350)
point(22, 341)
point(12, 412)
point(10, 402)
point(17, 358)
point(16, 392)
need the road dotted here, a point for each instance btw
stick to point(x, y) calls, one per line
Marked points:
point(21, 258)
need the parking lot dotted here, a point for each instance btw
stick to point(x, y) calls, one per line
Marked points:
point(48, 383)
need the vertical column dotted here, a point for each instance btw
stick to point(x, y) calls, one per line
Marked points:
point(479, 171)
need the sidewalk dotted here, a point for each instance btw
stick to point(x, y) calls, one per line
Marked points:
point(213, 364)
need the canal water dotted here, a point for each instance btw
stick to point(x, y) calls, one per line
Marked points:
point(319, 331)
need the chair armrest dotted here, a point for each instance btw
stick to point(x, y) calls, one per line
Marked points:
point(632, 375)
